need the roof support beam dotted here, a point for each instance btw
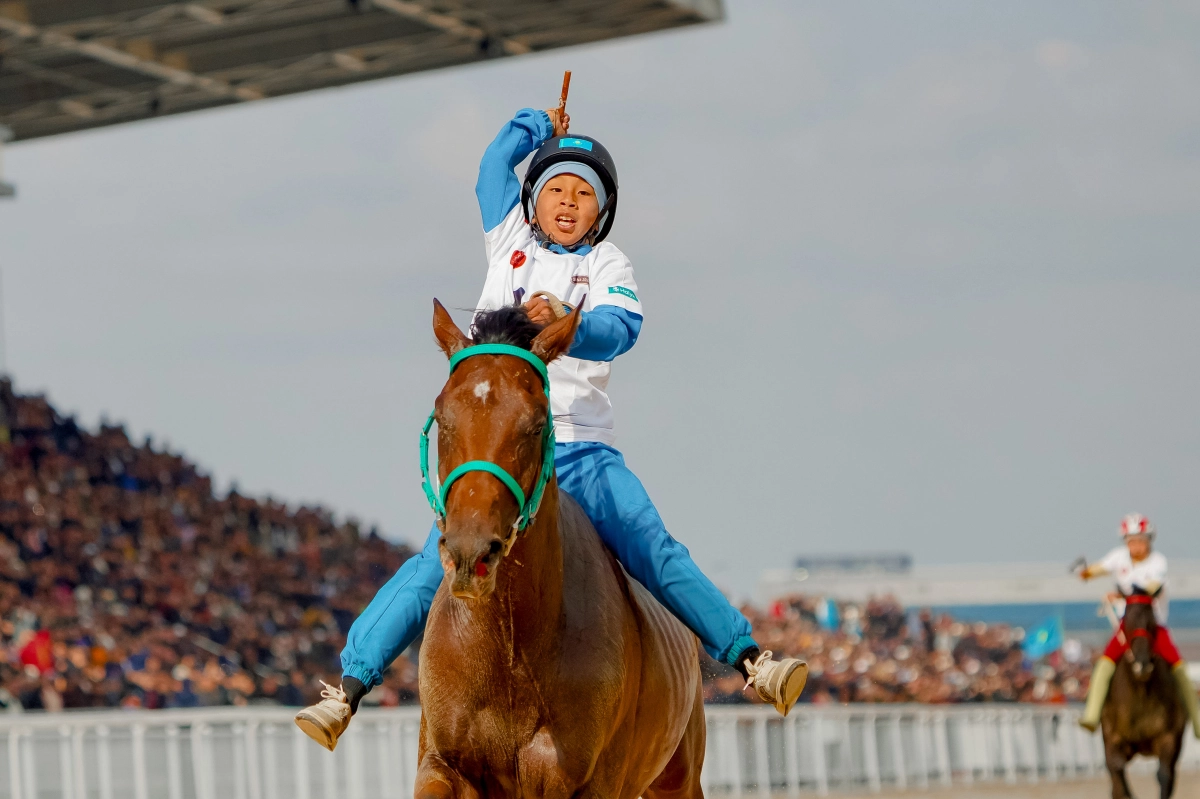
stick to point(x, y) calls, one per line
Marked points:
point(204, 14)
point(6, 189)
point(127, 60)
point(445, 22)
point(57, 77)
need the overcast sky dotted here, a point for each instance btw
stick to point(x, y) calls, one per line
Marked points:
point(917, 277)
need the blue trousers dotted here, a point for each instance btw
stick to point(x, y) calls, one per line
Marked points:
point(614, 499)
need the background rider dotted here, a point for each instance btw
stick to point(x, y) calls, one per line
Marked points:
point(1135, 566)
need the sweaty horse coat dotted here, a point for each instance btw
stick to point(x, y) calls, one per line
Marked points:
point(546, 671)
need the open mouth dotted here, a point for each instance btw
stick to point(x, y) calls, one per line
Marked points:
point(564, 223)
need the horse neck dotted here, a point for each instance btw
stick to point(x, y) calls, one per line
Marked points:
point(527, 602)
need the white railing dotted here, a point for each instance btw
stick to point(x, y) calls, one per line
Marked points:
point(258, 753)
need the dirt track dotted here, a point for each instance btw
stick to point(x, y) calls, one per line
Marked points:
point(1144, 786)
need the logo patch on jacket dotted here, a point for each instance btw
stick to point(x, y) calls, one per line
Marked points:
point(517, 259)
point(580, 279)
point(624, 292)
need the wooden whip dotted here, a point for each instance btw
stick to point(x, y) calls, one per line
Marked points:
point(562, 98)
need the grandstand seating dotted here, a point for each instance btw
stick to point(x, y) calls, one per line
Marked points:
point(125, 580)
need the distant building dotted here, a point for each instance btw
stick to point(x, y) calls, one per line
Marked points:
point(1017, 593)
point(881, 563)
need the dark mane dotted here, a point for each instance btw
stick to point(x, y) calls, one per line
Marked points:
point(507, 325)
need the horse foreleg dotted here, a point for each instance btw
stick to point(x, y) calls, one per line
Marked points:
point(542, 768)
point(1167, 749)
point(681, 777)
point(1166, 780)
point(1116, 761)
point(435, 780)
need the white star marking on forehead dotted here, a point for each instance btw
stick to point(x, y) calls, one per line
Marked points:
point(482, 389)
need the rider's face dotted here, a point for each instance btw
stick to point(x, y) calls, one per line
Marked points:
point(1139, 546)
point(566, 209)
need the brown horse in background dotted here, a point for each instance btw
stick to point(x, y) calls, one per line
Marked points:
point(1143, 714)
point(545, 671)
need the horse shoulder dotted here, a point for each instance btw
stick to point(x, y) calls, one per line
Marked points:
point(660, 671)
point(598, 655)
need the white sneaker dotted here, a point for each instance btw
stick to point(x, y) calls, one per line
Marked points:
point(325, 721)
point(777, 683)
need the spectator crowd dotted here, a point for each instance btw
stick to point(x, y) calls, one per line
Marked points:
point(880, 653)
point(126, 581)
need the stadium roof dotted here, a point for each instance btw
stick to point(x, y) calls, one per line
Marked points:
point(72, 64)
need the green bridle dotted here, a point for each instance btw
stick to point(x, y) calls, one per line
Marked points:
point(529, 507)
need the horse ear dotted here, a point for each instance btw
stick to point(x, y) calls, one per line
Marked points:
point(448, 336)
point(557, 336)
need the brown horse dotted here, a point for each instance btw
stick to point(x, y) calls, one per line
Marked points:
point(545, 670)
point(1143, 714)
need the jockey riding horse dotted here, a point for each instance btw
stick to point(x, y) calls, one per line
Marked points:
point(1141, 576)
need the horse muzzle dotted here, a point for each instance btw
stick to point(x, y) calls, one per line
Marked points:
point(471, 570)
point(1142, 671)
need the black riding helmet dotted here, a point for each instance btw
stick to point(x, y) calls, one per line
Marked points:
point(585, 150)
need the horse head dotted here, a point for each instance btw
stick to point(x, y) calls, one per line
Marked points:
point(492, 412)
point(1140, 627)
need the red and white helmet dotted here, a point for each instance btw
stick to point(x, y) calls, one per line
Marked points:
point(1136, 524)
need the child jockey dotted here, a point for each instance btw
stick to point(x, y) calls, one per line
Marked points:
point(1135, 566)
point(546, 234)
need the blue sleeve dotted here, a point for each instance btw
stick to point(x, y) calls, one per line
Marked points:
point(497, 188)
point(605, 332)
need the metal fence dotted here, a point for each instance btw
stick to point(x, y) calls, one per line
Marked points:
point(258, 753)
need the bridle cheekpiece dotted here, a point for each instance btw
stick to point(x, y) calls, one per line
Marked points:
point(528, 506)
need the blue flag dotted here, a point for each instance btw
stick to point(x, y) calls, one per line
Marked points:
point(827, 614)
point(1043, 639)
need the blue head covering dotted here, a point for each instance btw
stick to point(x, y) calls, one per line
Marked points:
point(571, 168)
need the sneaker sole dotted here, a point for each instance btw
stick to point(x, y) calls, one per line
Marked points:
point(315, 730)
point(792, 687)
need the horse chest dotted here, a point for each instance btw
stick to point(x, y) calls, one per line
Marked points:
point(485, 738)
point(515, 752)
point(481, 712)
point(1140, 713)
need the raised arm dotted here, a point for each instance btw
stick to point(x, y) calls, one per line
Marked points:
point(1103, 566)
point(498, 188)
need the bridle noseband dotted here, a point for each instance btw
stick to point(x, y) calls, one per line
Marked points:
point(528, 506)
point(1137, 599)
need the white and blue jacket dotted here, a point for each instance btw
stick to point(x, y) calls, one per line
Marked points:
point(600, 278)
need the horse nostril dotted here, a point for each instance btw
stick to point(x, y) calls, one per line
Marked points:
point(496, 547)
